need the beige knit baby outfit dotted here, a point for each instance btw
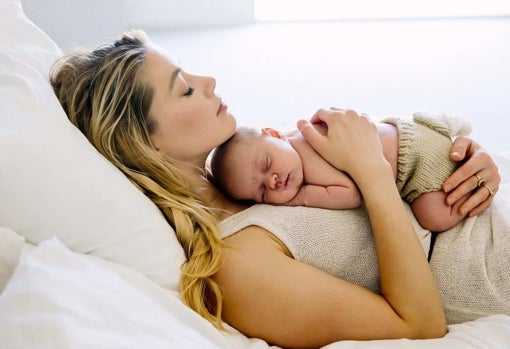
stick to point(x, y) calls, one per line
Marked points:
point(423, 152)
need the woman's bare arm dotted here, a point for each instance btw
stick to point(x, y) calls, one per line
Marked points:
point(269, 295)
point(406, 280)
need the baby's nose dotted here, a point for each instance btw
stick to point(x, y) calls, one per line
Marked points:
point(273, 181)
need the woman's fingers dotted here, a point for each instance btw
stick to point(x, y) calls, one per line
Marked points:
point(349, 142)
point(310, 133)
point(478, 175)
point(459, 148)
point(483, 187)
point(477, 203)
point(319, 116)
point(464, 149)
point(328, 115)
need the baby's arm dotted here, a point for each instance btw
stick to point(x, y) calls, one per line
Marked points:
point(330, 197)
point(432, 212)
point(326, 186)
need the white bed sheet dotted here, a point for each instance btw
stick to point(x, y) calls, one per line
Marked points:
point(61, 299)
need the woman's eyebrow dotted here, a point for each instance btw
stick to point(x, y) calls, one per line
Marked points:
point(173, 77)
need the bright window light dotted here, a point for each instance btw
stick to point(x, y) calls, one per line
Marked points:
point(295, 10)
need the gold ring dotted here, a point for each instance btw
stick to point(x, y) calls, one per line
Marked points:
point(491, 193)
point(480, 181)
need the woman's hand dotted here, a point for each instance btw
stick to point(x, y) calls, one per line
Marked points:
point(351, 142)
point(478, 175)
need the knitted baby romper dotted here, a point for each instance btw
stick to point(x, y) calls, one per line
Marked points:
point(423, 151)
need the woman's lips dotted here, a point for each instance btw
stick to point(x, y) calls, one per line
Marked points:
point(223, 108)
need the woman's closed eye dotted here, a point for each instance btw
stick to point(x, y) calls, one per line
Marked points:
point(189, 92)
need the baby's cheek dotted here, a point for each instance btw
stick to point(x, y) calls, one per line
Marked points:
point(283, 196)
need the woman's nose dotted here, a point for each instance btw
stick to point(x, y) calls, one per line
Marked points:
point(209, 85)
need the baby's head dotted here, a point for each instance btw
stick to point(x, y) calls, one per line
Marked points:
point(257, 165)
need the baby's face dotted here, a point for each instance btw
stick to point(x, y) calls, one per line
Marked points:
point(266, 170)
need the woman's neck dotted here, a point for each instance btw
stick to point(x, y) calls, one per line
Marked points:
point(200, 181)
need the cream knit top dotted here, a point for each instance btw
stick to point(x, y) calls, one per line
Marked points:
point(338, 242)
point(470, 262)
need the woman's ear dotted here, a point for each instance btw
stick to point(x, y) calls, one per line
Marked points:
point(272, 132)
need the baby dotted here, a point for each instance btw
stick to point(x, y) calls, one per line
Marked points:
point(266, 166)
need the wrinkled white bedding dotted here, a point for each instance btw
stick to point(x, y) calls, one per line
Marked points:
point(61, 299)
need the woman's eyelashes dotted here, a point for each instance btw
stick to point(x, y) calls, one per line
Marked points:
point(189, 92)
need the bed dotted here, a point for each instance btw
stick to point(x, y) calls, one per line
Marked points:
point(86, 260)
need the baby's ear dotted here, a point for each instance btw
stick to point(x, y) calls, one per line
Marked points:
point(272, 132)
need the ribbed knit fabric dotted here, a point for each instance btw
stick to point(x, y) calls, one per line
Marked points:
point(471, 263)
point(338, 242)
point(423, 154)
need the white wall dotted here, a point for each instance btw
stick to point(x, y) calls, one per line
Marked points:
point(269, 10)
point(92, 22)
point(155, 14)
point(72, 23)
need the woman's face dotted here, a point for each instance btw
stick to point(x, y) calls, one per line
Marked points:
point(190, 118)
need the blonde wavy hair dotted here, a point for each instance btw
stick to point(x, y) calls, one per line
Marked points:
point(102, 96)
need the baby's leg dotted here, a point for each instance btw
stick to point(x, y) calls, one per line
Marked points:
point(433, 214)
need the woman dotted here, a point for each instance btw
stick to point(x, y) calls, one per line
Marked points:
point(158, 124)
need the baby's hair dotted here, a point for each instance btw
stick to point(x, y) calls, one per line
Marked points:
point(221, 157)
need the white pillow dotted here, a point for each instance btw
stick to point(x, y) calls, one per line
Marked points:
point(53, 182)
point(11, 245)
